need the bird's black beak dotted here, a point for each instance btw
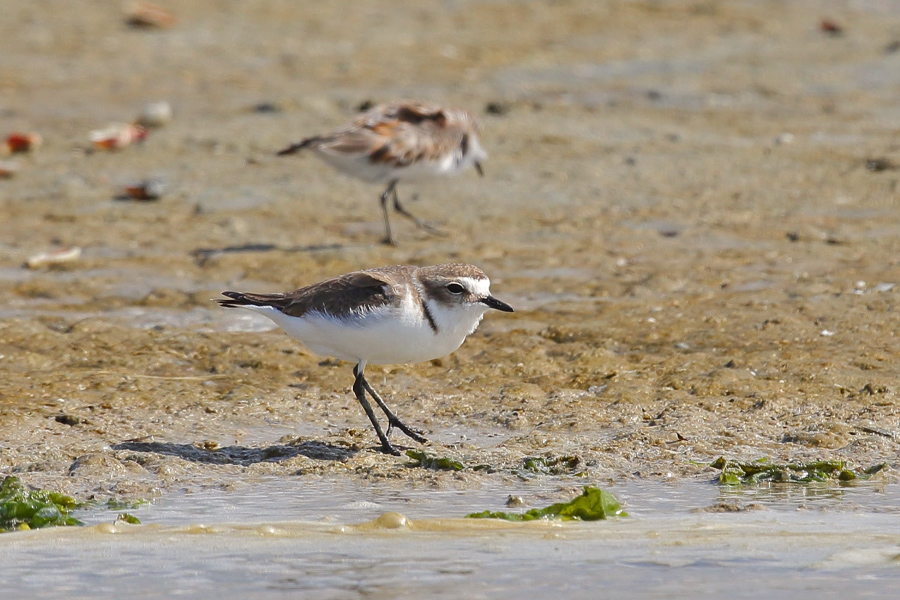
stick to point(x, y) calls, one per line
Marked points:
point(494, 303)
point(479, 169)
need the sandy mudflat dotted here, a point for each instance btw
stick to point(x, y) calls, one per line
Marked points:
point(677, 203)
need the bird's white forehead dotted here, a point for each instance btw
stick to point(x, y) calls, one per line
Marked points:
point(479, 287)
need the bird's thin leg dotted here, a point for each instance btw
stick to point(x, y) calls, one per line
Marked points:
point(388, 237)
point(393, 420)
point(359, 388)
point(419, 222)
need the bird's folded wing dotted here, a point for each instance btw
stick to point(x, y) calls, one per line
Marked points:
point(396, 140)
point(348, 295)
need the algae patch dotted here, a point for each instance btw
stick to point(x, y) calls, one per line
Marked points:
point(21, 508)
point(119, 504)
point(592, 505)
point(762, 470)
point(128, 518)
point(429, 461)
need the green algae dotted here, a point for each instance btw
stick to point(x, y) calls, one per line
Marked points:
point(22, 509)
point(762, 470)
point(592, 505)
point(430, 461)
point(119, 504)
point(128, 518)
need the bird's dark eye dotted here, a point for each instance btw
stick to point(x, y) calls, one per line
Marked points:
point(455, 288)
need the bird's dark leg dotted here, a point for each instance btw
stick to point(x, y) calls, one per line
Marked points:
point(419, 222)
point(388, 238)
point(359, 388)
point(393, 420)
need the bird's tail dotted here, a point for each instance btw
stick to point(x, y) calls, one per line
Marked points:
point(296, 147)
point(238, 299)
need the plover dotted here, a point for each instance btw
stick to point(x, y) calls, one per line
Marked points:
point(404, 140)
point(386, 315)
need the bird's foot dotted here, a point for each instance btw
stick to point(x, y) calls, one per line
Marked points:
point(415, 434)
point(387, 448)
point(432, 227)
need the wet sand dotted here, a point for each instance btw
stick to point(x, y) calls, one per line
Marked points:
point(677, 203)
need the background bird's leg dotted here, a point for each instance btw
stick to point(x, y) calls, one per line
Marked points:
point(393, 420)
point(419, 222)
point(388, 237)
point(359, 388)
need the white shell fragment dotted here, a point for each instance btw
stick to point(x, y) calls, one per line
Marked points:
point(54, 257)
point(117, 135)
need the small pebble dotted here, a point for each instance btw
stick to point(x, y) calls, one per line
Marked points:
point(266, 107)
point(146, 190)
point(831, 27)
point(783, 139)
point(70, 420)
point(877, 165)
point(146, 15)
point(155, 114)
point(8, 168)
point(496, 108)
point(515, 501)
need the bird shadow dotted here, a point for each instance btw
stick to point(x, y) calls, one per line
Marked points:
point(241, 455)
point(201, 255)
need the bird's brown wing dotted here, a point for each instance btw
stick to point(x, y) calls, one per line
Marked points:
point(396, 135)
point(345, 296)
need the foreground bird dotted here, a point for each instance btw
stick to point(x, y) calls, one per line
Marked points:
point(386, 315)
point(404, 140)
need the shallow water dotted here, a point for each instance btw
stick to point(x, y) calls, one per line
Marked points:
point(288, 538)
point(343, 501)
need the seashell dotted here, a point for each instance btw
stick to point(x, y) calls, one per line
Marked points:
point(146, 14)
point(54, 257)
point(155, 114)
point(22, 142)
point(117, 136)
point(8, 168)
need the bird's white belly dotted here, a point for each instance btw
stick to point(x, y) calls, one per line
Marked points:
point(377, 339)
point(361, 167)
